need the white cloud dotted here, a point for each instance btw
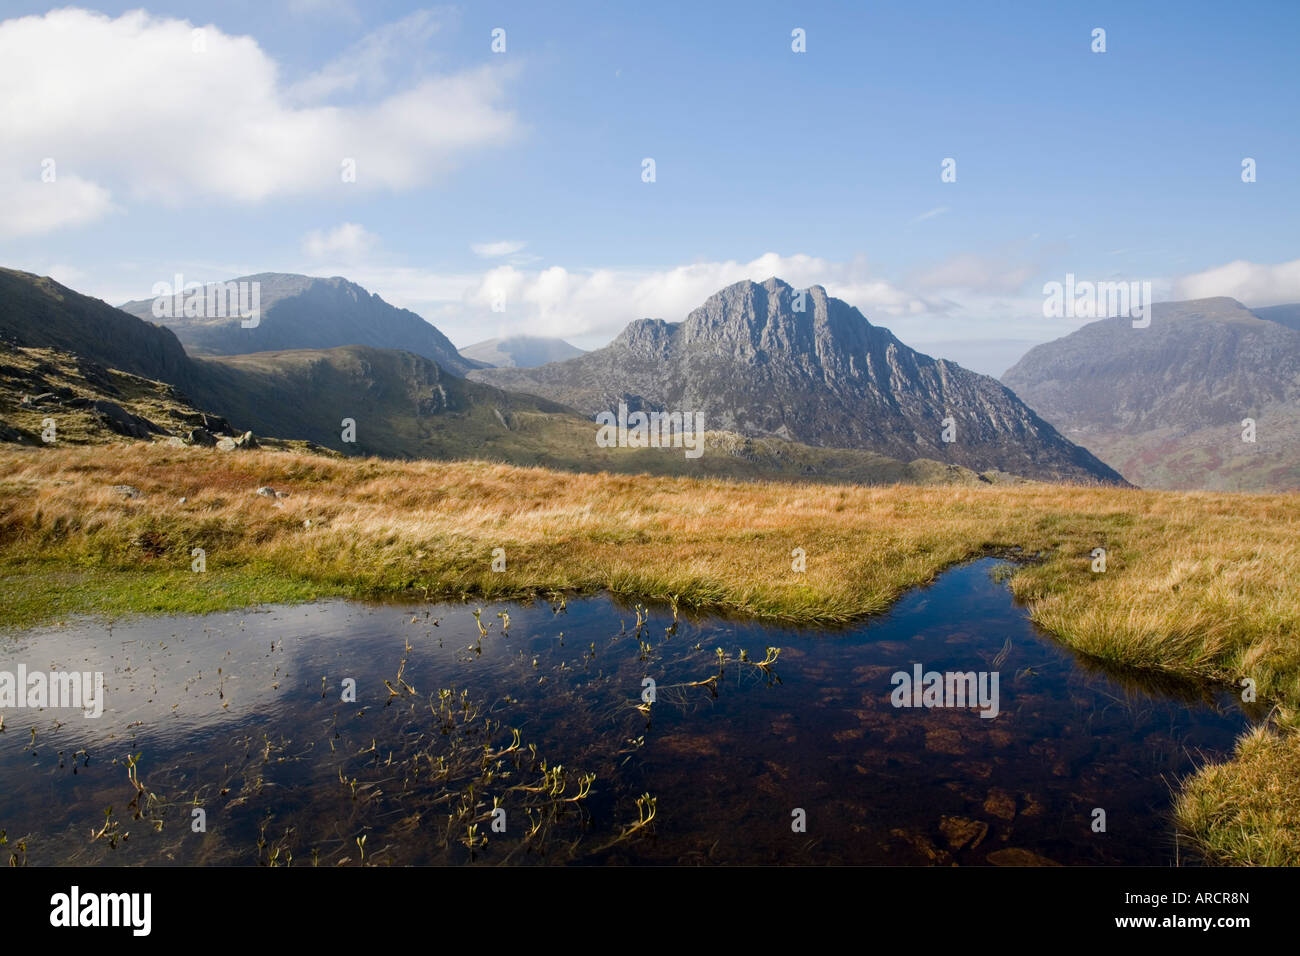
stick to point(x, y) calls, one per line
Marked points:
point(495, 250)
point(347, 242)
point(969, 321)
point(592, 306)
point(1250, 283)
point(31, 207)
point(964, 299)
point(145, 116)
point(601, 302)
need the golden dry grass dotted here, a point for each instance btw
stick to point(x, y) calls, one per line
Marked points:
point(1245, 812)
point(1197, 584)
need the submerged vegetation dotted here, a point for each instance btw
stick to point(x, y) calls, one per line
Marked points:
point(599, 730)
point(1196, 585)
point(423, 775)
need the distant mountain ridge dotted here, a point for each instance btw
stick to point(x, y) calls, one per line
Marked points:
point(399, 399)
point(305, 312)
point(1165, 404)
point(766, 360)
point(520, 351)
point(60, 353)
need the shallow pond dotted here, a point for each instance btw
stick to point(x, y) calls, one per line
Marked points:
point(805, 760)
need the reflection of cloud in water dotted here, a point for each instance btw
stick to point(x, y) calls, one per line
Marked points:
point(163, 671)
point(819, 733)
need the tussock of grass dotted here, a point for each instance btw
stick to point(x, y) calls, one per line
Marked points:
point(1200, 585)
point(1245, 812)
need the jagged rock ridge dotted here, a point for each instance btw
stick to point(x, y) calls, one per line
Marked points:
point(755, 364)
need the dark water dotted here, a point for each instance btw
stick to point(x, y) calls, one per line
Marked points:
point(240, 715)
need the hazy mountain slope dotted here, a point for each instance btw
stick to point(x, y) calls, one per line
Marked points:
point(1288, 315)
point(520, 351)
point(303, 312)
point(824, 377)
point(1164, 404)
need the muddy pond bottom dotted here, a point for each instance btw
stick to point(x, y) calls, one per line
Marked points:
point(343, 733)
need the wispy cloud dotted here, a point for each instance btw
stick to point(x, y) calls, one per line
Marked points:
point(495, 250)
point(372, 64)
point(931, 213)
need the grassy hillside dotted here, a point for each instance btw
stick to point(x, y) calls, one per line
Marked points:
point(93, 405)
point(37, 384)
point(37, 312)
point(1200, 585)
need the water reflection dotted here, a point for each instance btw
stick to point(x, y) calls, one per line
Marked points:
point(535, 719)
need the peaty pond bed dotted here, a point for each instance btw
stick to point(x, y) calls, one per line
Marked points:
point(234, 739)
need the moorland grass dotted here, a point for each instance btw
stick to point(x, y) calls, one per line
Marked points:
point(1197, 584)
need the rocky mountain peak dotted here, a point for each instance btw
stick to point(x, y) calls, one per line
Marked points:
point(760, 321)
point(646, 337)
point(768, 360)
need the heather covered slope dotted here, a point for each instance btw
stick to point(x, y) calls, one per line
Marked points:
point(37, 312)
point(90, 404)
point(1165, 404)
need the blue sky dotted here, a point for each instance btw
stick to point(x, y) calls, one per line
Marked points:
point(515, 177)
